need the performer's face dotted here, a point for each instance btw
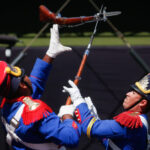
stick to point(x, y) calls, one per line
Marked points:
point(28, 83)
point(131, 98)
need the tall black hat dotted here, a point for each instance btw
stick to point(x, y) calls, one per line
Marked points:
point(143, 86)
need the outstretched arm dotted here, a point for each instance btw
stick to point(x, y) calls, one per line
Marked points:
point(55, 47)
point(42, 68)
point(88, 118)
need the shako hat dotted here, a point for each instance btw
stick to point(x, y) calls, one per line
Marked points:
point(143, 86)
point(10, 78)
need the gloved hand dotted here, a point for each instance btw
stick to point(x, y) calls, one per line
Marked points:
point(91, 107)
point(66, 109)
point(74, 93)
point(55, 47)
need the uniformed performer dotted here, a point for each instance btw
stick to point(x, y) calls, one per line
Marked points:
point(126, 131)
point(30, 123)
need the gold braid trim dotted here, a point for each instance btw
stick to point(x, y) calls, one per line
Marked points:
point(17, 71)
point(145, 91)
point(90, 127)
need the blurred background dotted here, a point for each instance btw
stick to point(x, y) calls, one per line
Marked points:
point(22, 17)
point(119, 55)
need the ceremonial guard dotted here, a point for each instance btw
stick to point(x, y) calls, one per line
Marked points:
point(126, 131)
point(30, 123)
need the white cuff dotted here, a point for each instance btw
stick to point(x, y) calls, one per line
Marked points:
point(66, 109)
point(78, 102)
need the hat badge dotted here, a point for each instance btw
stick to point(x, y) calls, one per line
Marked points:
point(143, 84)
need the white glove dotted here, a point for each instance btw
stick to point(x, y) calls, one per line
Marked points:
point(66, 109)
point(91, 107)
point(55, 47)
point(74, 93)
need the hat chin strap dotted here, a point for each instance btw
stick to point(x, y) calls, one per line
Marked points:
point(134, 104)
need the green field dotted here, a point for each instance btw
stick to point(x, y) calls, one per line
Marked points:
point(71, 39)
point(103, 39)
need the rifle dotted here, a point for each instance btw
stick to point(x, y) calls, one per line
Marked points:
point(86, 53)
point(48, 16)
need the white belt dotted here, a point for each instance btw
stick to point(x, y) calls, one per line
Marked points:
point(144, 121)
point(113, 145)
point(14, 123)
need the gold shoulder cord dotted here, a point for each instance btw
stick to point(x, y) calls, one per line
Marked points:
point(15, 73)
point(90, 127)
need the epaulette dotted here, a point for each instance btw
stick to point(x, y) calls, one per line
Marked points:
point(129, 119)
point(34, 110)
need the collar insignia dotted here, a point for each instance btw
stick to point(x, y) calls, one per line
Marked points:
point(32, 105)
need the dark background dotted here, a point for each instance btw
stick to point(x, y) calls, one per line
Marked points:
point(107, 76)
point(23, 16)
point(109, 70)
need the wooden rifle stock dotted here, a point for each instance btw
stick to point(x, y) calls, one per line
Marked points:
point(78, 76)
point(47, 16)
